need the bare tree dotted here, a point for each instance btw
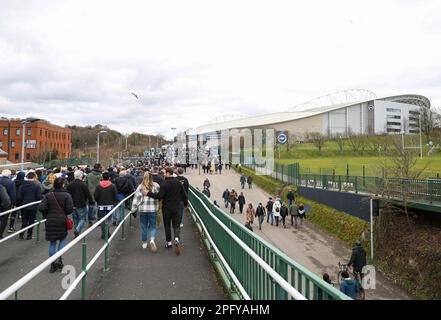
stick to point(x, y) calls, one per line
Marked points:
point(354, 141)
point(340, 142)
point(317, 139)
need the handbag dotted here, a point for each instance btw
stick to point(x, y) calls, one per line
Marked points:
point(69, 222)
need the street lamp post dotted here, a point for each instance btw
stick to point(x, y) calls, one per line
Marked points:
point(23, 145)
point(98, 146)
point(421, 140)
point(402, 140)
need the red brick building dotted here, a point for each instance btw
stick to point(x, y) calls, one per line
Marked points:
point(40, 136)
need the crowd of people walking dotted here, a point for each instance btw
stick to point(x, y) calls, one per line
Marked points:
point(82, 196)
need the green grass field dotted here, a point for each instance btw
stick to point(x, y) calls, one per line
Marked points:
point(325, 165)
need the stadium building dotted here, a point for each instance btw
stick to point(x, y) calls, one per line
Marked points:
point(339, 114)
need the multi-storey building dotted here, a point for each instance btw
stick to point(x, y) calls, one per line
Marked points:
point(40, 136)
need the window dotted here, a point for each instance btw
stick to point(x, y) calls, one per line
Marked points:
point(390, 123)
point(1, 144)
point(41, 132)
point(29, 132)
point(393, 110)
point(17, 132)
point(28, 156)
point(12, 144)
point(5, 132)
point(391, 116)
point(393, 130)
point(17, 156)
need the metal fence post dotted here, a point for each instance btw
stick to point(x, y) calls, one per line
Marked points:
point(123, 234)
point(38, 226)
point(356, 184)
point(84, 265)
point(106, 251)
point(339, 183)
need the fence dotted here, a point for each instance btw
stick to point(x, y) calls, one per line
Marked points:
point(262, 270)
point(414, 189)
point(13, 289)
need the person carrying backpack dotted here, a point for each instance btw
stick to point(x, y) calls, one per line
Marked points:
point(358, 259)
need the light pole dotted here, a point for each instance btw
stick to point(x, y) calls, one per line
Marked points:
point(98, 146)
point(421, 140)
point(402, 139)
point(23, 145)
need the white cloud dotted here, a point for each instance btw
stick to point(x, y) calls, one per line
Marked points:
point(76, 62)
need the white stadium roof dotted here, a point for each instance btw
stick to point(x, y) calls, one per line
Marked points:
point(308, 109)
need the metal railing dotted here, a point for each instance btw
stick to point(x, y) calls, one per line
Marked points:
point(37, 223)
point(13, 289)
point(428, 190)
point(264, 271)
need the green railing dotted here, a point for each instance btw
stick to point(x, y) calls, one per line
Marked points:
point(256, 280)
point(413, 189)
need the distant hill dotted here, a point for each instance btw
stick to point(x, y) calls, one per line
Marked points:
point(112, 143)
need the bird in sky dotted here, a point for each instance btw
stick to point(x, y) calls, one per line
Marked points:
point(135, 95)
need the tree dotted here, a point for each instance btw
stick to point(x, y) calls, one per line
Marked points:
point(430, 119)
point(317, 139)
point(354, 141)
point(340, 142)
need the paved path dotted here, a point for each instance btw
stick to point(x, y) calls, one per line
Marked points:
point(135, 273)
point(308, 245)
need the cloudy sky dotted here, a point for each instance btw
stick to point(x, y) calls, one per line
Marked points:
point(76, 62)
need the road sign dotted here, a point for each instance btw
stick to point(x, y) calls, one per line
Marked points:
point(282, 137)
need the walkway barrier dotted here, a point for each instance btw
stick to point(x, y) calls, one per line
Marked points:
point(428, 190)
point(37, 223)
point(14, 288)
point(263, 271)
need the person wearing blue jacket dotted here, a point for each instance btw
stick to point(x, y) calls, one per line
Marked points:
point(9, 185)
point(29, 192)
point(348, 285)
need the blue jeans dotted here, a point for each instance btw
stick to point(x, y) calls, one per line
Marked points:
point(118, 214)
point(52, 246)
point(92, 212)
point(270, 216)
point(79, 218)
point(181, 211)
point(148, 220)
point(226, 202)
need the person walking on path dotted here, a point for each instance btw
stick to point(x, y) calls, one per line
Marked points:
point(172, 193)
point(283, 213)
point(242, 181)
point(147, 208)
point(226, 196)
point(301, 212)
point(185, 184)
point(260, 214)
point(124, 187)
point(276, 210)
point(55, 207)
point(241, 200)
point(92, 180)
point(106, 197)
point(9, 185)
point(28, 192)
point(358, 259)
point(18, 182)
point(206, 191)
point(269, 209)
point(81, 197)
point(290, 197)
point(293, 213)
point(207, 183)
point(251, 213)
point(232, 200)
point(249, 181)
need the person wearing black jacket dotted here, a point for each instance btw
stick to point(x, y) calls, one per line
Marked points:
point(18, 182)
point(172, 192)
point(56, 206)
point(106, 197)
point(358, 259)
point(226, 196)
point(5, 201)
point(241, 200)
point(9, 185)
point(283, 213)
point(260, 214)
point(185, 184)
point(81, 196)
point(124, 188)
point(290, 197)
point(28, 192)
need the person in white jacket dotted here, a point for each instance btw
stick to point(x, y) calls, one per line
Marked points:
point(276, 209)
